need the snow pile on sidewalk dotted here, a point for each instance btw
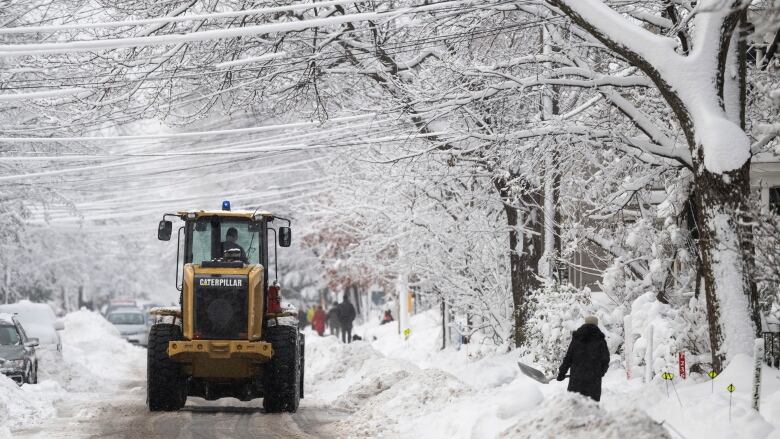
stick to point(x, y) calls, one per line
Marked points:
point(396, 387)
point(19, 406)
point(380, 391)
point(420, 393)
point(572, 416)
point(375, 376)
point(94, 355)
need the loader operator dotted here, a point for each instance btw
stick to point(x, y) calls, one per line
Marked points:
point(230, 243)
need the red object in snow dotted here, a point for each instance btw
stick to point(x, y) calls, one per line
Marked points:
point(274, 300)
point(681, 362)
point(318, 321)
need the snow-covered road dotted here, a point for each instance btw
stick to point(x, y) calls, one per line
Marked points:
point(127, 418)
point(122, 414)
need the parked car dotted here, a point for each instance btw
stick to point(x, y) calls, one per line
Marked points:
point(39, 321)
point(131, 323)
point(119, 303)
point(17, 352)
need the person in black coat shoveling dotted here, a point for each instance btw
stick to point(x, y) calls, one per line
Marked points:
point(588, 359)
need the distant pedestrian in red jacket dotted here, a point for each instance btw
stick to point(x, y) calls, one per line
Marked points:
point(318, 321)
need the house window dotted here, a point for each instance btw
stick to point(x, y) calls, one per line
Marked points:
point(774, 199)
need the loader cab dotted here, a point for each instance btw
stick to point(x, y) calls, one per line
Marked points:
point(206, 242)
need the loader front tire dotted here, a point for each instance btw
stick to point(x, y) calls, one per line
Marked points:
point(282, 375)
point(166, 386)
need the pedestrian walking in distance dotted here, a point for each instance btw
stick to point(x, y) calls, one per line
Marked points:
point(318, 321)
point(333, 319)
point(347, 315)
point(588, 359)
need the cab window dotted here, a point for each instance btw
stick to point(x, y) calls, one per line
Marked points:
point(210, 238)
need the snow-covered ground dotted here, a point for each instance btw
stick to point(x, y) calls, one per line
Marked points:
point(388, 387)
point(95, 362)
point(411, 389)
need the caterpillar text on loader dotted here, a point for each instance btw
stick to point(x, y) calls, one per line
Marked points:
point(230, 336)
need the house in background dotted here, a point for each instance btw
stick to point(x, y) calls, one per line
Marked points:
point(586, 267)
point(765, 178)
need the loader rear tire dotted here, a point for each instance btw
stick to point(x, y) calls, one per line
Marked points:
point(166, 385)
point(282, 375)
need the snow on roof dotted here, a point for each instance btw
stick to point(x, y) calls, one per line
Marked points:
point(765, 157)
point(227, 213)
point(24, 303)
point(6, 318)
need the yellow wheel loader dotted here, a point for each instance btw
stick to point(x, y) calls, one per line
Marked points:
point(230, 335)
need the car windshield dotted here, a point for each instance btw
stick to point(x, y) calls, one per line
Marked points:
point(126, 318)
point(8, 335)
point(210, 238)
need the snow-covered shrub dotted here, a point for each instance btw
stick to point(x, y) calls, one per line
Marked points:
point(674, 330)
point(646, 255)
point(554, 311)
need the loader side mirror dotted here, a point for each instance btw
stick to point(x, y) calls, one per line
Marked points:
point(164, 230)
point(285, 236)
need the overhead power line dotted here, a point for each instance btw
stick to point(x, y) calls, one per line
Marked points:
point(16, 50)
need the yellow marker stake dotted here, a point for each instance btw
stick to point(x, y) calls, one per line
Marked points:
point(712, 374)
point(668, 377)
point(407, 333)
point(731, 390)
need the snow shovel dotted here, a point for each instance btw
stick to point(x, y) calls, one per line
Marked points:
point(534, 374)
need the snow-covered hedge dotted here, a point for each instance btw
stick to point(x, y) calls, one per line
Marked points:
point(674, 330)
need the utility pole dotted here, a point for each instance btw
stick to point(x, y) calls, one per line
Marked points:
point(551, 180)
point(443, 323)
point(6, 281)
point(403, 302)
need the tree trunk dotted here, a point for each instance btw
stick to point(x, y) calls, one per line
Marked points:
point(525, 250)
point(356, 299)
point(724, 265)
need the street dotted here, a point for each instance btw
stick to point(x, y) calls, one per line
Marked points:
point(123, 414)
